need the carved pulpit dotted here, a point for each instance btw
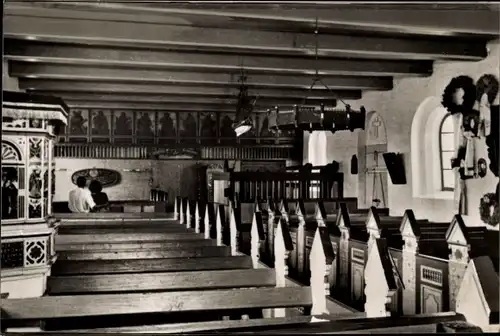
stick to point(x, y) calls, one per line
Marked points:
point(30, 124)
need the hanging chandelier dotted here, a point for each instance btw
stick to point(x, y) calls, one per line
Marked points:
point(311, 118)
point(243, 121)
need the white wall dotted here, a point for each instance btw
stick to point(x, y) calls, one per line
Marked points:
point(8, 83)
point(397, 108)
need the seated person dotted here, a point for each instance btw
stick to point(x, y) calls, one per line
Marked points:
point(100, 198)
point(80, 199)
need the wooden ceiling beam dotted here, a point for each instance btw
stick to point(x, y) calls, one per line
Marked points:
point(383, 18)
point(151, 106)
point(208, 62)
point(95, 87)
point(173, 37)
point(184, 78)
point(178, 100)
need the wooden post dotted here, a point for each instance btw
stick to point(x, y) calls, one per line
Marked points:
point(218, 225)
point(320, 213)
point(344, 224)
point(197, 217)
point(458, 245)
point(301, 238)
point(188, 215)
point(282, 247)
point(410, 233)
point(207, 221)
point(270, 236)
point(176, 209)
point(256, 237)
point(380, 280)
point(234, 233)
point(181, 215)
point(320, 258)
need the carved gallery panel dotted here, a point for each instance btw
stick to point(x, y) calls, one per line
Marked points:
point(208, 128)
point(167, 127)
point(164, 128)
point(227, 134)
point(145, 127)
point(263, 131)
point(101, 126)
point(78, 127)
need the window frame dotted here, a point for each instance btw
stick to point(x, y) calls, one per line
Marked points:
point(441, 151)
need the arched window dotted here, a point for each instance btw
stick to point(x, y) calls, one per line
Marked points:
point(446, 151)
point(432, 147)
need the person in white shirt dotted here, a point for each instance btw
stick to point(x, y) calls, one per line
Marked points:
point(80, 199)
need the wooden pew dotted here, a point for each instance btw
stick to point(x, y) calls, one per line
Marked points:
point(302, 324)
point(125, 301)
point(164, 281)
point(192, 252)
point(123, 266)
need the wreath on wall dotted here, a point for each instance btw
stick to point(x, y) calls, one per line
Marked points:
point(487, 84)
point(489, 201)
point(450, 101)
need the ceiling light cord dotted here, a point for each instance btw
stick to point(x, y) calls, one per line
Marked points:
point(317, 77)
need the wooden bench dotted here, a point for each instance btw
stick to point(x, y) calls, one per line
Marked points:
point(179, 298)
point(123, 266)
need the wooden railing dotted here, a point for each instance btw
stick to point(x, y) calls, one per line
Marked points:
point(252, 186)
point(114, 151)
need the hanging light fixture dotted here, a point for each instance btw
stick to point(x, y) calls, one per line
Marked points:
point(243, 122)
point(312, 118)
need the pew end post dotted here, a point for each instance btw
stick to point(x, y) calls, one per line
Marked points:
point(321, 258)
point(197, 217)
point(381, 278)
point(283, 245)
point(176, 208)
point(234, 231)
point(257, 236)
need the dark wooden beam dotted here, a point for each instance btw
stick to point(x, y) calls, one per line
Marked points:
point(175, 102)
point(175, 37)
point(98, 87)
point(353, 18)
point(208, 62)
point(105, 74)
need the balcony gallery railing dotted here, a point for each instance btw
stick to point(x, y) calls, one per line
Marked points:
point(115, 151)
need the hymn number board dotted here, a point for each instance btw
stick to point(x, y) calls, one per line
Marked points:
point(162, 127)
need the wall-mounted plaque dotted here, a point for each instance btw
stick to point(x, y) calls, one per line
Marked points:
point(106, 177)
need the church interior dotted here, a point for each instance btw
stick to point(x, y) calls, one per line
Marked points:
point(312, 167)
